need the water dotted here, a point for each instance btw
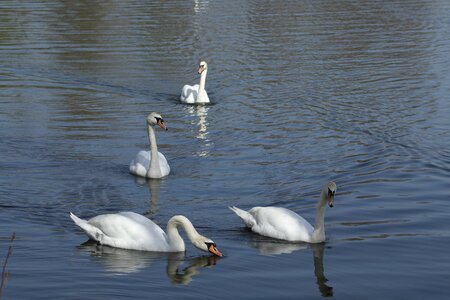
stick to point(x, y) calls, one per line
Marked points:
point(303, 92)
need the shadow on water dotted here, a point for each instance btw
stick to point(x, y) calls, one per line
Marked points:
point(122, 261)
point(273, 247)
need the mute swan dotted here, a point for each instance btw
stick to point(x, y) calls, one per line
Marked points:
point(196, 93)
point(151, 164)
point(129, 230)
point(284, 224)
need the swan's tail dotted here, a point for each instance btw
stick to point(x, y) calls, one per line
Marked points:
point(77, 220)
point(248, 219)
point(92, 231)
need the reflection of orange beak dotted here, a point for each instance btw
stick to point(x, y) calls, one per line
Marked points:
point(200, 70)
point(212, 260)
point(162, 125)
point(214, 251)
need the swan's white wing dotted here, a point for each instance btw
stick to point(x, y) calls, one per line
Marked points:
point(140, 164)
point(281, 223)
point(163, 164)
point(127, 230)
point(189, 93)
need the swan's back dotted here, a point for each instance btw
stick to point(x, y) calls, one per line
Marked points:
point(125, 230)
point(281, 223)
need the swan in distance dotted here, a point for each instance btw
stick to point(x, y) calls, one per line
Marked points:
point(151, 164)
point(196, 93)
point(129, 230)
point(284, 224)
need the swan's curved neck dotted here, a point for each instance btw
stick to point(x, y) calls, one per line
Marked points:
point(176, 243)
point(319, 225)
point(154, 162)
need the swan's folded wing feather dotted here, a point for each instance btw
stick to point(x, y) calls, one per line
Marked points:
point(189, 93)
point(140, 164)
point(281, 223)
point(163, 164)
point(129, 230)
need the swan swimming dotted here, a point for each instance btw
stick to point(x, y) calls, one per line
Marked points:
point(196, 93)
point(151, 164)
point(129, 230)
point(284, 224)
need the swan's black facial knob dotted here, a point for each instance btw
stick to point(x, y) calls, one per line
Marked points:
point(213, 249)
point(160, 123)
point(331, 197)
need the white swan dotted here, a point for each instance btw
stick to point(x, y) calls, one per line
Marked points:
point(129, 230)
point(196, 93)
point(151, 164)
point(284, 224)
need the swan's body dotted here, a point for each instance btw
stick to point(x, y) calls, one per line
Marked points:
point(196, 93)
point(151, 164)
point(284, 224)
point(129, 230)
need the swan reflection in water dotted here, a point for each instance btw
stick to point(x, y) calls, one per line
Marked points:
point(122, 261)
point(185, 276)
point(153, 189)
point(201, 112)
point(273, 247)
point(325, 290)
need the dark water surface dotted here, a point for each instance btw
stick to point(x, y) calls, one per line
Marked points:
point(303, 92)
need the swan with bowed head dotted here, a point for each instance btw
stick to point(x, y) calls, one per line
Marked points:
point(284, 224)
point(196, 93)
point(151, 164)
point(129, 230)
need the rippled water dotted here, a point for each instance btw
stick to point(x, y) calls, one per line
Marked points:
point(303, 92)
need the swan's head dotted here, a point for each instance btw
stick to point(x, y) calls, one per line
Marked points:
point(155, 119)
point(329, 191)
point(203, 66)
point(207, 245)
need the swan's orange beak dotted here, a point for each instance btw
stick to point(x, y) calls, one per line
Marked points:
point(161, 124)
point(214, 250)
point(200, 69)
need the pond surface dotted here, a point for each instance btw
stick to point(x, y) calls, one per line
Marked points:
point(302, 92)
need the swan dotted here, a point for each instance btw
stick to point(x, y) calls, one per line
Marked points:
point(151, 164)
point(284, 224)
point(196, 93)
point(129, 230)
